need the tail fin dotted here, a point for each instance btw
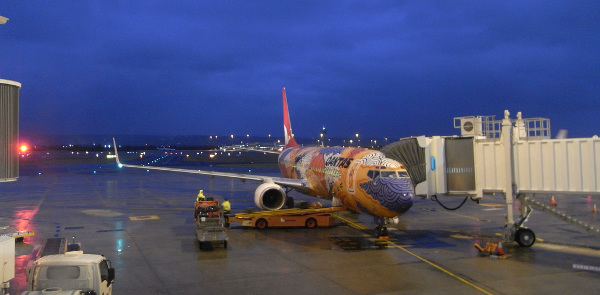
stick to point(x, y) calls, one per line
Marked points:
point(287, 126)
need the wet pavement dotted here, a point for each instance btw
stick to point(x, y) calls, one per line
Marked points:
point(143, 222)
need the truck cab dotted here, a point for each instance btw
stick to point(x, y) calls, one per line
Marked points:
point(71, 271)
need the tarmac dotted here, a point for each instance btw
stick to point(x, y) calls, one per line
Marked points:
point(143, 222)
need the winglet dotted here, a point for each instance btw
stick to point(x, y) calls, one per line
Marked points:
point(117, 154)
point(287, 126)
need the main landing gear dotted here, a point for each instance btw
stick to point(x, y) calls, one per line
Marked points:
point(524, 236)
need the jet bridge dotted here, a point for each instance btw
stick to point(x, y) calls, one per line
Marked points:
point(515, 157)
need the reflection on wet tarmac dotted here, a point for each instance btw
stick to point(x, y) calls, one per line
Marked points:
point(160, 255)
point(359, 243)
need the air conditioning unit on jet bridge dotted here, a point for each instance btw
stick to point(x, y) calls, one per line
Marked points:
point(469, 126)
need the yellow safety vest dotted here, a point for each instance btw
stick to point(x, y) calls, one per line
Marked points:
point(226, 206)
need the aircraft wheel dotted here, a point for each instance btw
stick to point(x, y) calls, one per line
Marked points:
point(525, 237)
point(311, 223)
point(262, 223)
point(382, 231)
point(225, 244)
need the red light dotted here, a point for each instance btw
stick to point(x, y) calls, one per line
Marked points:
point(23, 148)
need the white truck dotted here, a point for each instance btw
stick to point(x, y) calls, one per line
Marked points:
point(68, 272)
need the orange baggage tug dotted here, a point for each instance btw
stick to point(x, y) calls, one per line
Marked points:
point(309, 218)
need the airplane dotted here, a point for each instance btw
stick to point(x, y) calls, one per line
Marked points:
point(163, 148)
point(359, 179)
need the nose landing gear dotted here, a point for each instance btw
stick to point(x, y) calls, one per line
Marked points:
point(381, 229)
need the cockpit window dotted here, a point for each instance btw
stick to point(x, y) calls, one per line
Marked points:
point(373, 174)
point(386, 174)
point(402, 174)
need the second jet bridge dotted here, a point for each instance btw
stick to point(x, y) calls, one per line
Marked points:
point(513, 157)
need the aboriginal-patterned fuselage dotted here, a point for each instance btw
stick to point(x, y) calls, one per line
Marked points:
point(362, 179)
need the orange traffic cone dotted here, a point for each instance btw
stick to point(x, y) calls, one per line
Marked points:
point(595, 210)
point(553, 202)
point(500, 249)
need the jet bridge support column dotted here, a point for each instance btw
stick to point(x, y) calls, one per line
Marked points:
point(506, 139)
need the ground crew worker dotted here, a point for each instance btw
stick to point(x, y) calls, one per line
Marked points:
point(200, 196)
point(226, 207)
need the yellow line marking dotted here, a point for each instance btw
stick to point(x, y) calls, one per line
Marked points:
point(536, 239)
point(360, 226)
point(570, 249)
point(349, 222)
point(441, 269)
point(467, 216)
point(492, 205)
point(148, 217)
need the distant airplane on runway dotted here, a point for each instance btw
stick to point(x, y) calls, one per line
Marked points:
point(163, 148)
point(361, 179)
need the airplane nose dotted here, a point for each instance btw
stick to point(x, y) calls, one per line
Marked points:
point(396, 194)
point(401, 194)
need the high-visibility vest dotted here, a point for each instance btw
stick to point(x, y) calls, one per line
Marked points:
point(200, 196)
point(226, 206)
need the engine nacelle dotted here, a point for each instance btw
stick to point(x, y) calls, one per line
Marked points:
point(269, 196)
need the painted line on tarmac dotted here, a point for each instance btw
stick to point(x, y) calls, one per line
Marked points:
point(493, 205)
point(147, 217)
point(362, 227)
point(569, 249)
point(441, 269)
point(467, 216)
point(536, 238)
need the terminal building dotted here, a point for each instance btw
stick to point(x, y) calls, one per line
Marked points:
point(9, 130)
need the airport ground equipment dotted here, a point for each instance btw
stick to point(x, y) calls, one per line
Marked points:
point(17, 235)
point(516, 158)
point(210, 225)
point(60, 271)
point(7, 262)
point(309, 218)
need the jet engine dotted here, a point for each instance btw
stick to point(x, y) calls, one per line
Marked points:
point(269, 196)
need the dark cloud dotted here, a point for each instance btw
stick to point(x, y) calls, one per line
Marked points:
point(386, 68)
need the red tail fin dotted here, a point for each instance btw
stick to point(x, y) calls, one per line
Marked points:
point(287, 126)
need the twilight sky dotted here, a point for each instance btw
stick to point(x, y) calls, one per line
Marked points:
point(378, 68)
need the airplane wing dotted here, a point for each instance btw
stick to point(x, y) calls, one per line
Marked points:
point(253, 150)
point(285, 182)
